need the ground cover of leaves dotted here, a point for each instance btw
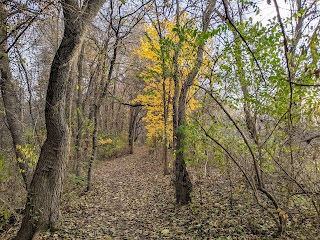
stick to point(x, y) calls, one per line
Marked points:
point(131, 199)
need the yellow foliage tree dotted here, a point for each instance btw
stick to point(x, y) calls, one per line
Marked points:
point(158, 49)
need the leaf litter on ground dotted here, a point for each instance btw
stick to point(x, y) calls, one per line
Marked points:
point(131, 199)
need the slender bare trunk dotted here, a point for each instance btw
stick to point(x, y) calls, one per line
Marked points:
point(176, 80)
point(79, 112)
point(11, 103)
point(113, 118)
point(96, 107)
point(94, 145)
point(165, 128)
point(70, 89)
point(134, 111)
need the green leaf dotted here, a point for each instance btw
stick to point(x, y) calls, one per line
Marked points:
point(3, 54)
point(1, 161)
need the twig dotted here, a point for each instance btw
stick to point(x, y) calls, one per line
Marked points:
point(25, 29)
point(239, 130)
point(243, 39)
point(308, 140)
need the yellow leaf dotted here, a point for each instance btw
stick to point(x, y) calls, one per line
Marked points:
point(104, 141)
point(165, 231)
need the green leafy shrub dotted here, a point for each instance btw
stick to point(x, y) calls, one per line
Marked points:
point(76, 179)
point(30, 153)
point(6, 217)
point(111, 146)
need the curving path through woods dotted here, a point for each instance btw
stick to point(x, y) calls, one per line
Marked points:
point(128, 201)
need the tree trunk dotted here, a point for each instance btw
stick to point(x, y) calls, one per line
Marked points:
point(23, 68)
point(69, 108)
point(10, 101)
point(42, 209)
point(165, 128)
point(175, 96)
point(79, 112)
point(96, 107)
point(183, 185)
point(113, 121)
point(70, 89)
point(94, 145)
point(134, 111)
point(176, 80)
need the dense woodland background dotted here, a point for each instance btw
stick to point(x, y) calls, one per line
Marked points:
point(225, 95)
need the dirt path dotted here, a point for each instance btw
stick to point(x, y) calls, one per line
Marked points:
point(129, 198)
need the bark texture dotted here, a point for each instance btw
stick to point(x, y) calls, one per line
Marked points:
point(42, 209)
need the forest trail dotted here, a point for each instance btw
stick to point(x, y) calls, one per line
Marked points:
point(132, 199)
point(129, 198)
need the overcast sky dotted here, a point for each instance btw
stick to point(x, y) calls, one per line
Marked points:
point(269, 11)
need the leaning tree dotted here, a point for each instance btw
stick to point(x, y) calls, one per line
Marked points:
point(43, 201)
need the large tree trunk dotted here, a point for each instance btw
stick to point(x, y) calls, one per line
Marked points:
point(10, 101)
point(43, 202)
